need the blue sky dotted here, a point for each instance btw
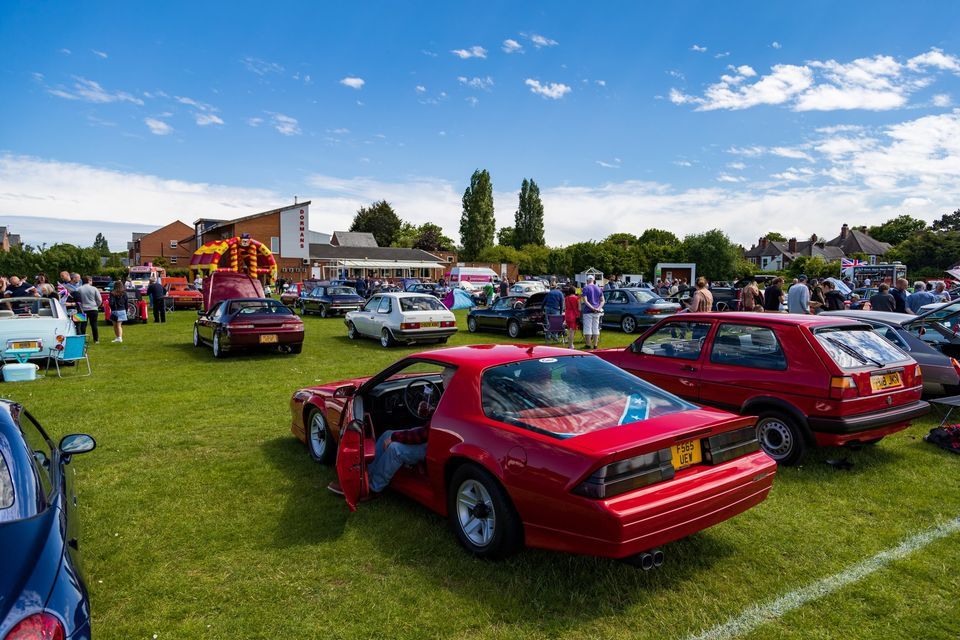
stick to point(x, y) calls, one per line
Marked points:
point(794, 116)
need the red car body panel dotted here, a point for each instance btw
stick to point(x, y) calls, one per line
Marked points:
point(804, 387)
point(539, 471)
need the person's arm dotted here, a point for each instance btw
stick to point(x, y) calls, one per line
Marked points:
point(417, 435)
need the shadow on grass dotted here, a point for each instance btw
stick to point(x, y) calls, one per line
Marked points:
point(865, 460)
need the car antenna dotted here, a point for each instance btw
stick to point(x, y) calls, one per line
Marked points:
point(530, 350)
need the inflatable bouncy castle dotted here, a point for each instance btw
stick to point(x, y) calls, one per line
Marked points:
point(242, 254)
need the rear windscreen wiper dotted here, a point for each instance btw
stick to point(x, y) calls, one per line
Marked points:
point(852, 352)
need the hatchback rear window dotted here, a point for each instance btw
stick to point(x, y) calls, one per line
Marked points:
point(858, 347)
point(421, 303)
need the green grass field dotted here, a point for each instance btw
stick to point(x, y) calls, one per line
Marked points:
point(203, 517)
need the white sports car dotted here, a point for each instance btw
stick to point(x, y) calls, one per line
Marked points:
point(25, 321)
point(402, 318)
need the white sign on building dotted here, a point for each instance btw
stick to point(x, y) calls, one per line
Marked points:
point(294, 223)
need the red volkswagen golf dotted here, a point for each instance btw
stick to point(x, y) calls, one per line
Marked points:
point(544, 447)
point(811, 380)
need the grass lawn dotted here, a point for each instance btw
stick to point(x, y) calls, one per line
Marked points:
point(203, 517)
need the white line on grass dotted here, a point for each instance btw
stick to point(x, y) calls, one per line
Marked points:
point(759, 615)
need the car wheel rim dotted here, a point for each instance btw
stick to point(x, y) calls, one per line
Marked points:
point(629, 325)
point(351, 332)
point(472, 325)
point(775, 438)
point(323, 312)
point(196, 337)
point(318, 435)
point(514, 330)
point(385, 339)
point(475, 513)
point(216, 344)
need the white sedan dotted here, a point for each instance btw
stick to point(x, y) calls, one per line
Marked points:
point(30, 324)
point(401, 318)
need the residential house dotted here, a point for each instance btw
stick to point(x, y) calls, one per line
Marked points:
point(852, 241)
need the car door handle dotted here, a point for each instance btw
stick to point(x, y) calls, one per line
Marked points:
point(688, 367)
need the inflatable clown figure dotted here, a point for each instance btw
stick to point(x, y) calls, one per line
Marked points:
point(241, 254)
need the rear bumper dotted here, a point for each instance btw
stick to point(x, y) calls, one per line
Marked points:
point(423, 334)
point(656, 515)
point(246, 339)
point(898, 417)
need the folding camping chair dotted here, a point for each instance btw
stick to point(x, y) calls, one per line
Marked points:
point(554, 329)
point(74, 350)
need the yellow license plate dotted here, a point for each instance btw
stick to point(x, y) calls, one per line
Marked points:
point(427, 325)
point(686, 454)
point(25, 344)
point(884, 381)
point(270, 338)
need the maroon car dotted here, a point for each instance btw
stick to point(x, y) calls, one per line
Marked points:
point(238, 316)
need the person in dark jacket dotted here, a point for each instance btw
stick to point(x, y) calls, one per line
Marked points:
point(156, 293)
point(882, 300)
point(833, 299)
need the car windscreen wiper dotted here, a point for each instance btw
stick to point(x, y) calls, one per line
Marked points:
point(852, 352)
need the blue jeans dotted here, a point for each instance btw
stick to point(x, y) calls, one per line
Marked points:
point(386, 463)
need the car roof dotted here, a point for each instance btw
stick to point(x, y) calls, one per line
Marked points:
point(796, 319)
point(481, 356)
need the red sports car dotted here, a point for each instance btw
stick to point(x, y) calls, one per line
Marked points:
point(544, 447)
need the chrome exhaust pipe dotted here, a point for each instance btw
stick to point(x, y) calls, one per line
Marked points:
point(657, 558)
point(646, 561)
point(284, 348)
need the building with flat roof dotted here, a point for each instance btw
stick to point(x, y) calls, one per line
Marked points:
point(330, 261)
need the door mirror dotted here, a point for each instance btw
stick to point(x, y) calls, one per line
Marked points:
point(635, 346)
point(200, 313)
point(346, 391)
point(77, 443)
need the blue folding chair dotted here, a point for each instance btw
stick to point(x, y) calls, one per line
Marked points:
point(74, 350)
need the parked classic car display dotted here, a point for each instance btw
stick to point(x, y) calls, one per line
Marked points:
point(292, 293)
point(811, 380)
point(42, 590)
point(403, 317)
point(517, 315)
point(182, 294)
point(43, 321)
point(543, 447)
point(633, 308)
point(327, 300)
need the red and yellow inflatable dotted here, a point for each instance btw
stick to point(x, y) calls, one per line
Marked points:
point(242, 254)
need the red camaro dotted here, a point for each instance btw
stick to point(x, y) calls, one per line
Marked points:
point(544, 447)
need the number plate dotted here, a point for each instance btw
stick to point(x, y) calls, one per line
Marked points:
point(269, 338)
point(25, 344)
point(427, 325)
point(686, 454)
point(885, 381)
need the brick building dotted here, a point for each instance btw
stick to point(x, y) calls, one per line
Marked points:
point(165, 242)
point(8, 240)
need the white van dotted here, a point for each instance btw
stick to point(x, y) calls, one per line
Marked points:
point(477, 275)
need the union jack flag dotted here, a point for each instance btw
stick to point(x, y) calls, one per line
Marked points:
point(846, 263)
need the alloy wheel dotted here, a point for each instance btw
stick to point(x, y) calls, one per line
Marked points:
point(475, 513)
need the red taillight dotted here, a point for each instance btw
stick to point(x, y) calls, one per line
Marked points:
point(956, 365)
point(842, 387)
point(654, 312)
point(39, 626)
point(409, 325)
point(448, 323)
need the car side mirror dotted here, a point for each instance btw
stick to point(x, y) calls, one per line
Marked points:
point(346, 391)
point(635, 347)
point(77, 443)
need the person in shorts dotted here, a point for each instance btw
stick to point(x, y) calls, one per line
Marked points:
point(118, 309)
point(592, 298)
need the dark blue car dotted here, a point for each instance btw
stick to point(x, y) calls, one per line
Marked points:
point(42, 593)
point(328, 300)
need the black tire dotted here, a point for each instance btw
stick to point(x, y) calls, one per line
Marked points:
point(513, 329)
point(781, 438)
point(471, 324)
point(504, 530)
point(352, 332)
point(298, 306)
point(386, 339)
point(323, 311)
point(628, 324)
point(197, 342)
point(296, 348)
point(320, 444)
point(218, 351)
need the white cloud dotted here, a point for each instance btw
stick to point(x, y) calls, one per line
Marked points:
point(615, 164)
point(725, 54)
point(420, 88)
point(542, 41)
point(737, 166)
point(254, 122)
point(683, 163)
point(158, 127)
point(601, 83)
point(512, 46)
point(472, 52)
point(472, 101)
point(339, 131)
point(64, 51)
point(746, 71)
point(353, 82)
point(795, 154)
point(698, 48)
point(204, 119)
point(785, 82)
point(486, 84)
point(285, 124)
point(726, 177)
point(934, 58)
point(551, 90)
point(941, 100)
point(429, 54)
point(674, 73)
point(90, 91)
point(260, 67)
point(99, 54)
point(776, 45)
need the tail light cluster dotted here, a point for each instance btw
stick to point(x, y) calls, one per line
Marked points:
point(241, 326)
point(956, 365)
point(627, 475)
point(724, 447)
point(843, 387)
point(39, 626)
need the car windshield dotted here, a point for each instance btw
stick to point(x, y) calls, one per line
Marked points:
point(571, 395)
point(27, 308)
point(244, 307)
point(858, 347)
point(643, 295)
point(421, 303)
point(341, 291)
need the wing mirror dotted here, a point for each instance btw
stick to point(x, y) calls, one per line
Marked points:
point(346, 391)
point(77, 443)
point(635, 346)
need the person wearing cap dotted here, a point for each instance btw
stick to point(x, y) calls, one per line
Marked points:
point(592, 311)
point(798, 297)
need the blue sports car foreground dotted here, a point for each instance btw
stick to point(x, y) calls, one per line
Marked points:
point(42, 594)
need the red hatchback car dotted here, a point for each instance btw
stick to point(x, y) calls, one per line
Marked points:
point(544, 447)
point(811, 380)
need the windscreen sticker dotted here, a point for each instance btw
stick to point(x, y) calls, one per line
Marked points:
point(548, 360)
point(637, 409)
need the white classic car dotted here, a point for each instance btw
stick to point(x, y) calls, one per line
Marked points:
point(402, 318)
point(25, 321)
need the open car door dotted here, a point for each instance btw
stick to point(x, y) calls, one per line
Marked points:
point(351, 464)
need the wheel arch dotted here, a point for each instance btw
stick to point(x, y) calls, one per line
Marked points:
point(762, 404)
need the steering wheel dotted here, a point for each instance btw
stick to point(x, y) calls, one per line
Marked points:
point(412, 397)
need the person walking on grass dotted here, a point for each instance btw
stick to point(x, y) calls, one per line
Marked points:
point(571, 312)
point(118, 309)
point(592, 297)
point(89, 301)
point(156, 293)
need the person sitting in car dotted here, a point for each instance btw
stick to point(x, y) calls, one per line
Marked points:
point(401, 448)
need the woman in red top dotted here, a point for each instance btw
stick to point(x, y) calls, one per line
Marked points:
point(571, 313)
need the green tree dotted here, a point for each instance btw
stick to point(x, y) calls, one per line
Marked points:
point(775, 236)
point(500, 254)
point(100, 244)
point(477, 225)
point(406, 236)
point(947, 222)
point(928, 250)
point(622, 239)
point(715, 256)
point(430, 238)
point(528, 219)
point(898, 229)
point(505, 236)
point(380, 220)
point(658, 236)
point(813, 267)
point(559, 263)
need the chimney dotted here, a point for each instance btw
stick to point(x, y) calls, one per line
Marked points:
point(844, 231)
point(813, 239)
point(763, 243)
point(792, 247)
